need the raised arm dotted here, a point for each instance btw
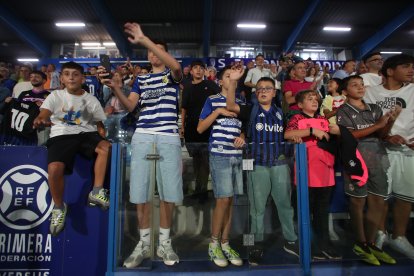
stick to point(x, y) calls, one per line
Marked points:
point(136, 36)
point(235, 74)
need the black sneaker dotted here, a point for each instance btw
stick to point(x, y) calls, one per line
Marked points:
point(330, 252)
point(318, 255)
point(255, 256)
point(292, 247)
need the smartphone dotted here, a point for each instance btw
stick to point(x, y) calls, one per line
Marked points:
point(105, 62)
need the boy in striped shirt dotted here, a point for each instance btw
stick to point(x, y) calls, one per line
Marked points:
point(226, 168)
point(271, 173)
point(157, 95)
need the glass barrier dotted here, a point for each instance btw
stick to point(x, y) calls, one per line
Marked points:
point(273, 230)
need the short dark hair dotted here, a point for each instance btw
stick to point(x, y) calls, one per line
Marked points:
point(339, 83)
point(222, 71)
point(345, 81)
point(365, 58)
point(259, 55)
point(197, 62)
point(161, 42)
point(40, 73)
point(72, 65)
point(300, 97)
point(348, 61)
point(394, 61)
point(267, 79)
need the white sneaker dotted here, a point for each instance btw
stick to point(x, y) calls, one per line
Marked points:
point(382, 239)
point(140, 253)
point(216, 255)
point(402, 245)
point(166, 252)
point(232, 255)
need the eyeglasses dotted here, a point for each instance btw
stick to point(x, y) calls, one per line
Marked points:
point(264, 89)
point(376, 59)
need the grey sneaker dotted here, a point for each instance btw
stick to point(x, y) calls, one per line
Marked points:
point(57, 221)
point(166, 252)
point(100, 199)
point(140, 253)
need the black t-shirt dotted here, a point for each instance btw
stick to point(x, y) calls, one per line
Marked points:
point(18, 120)
point(194, 97)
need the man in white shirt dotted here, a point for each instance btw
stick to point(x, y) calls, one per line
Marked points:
point(256, 74)
point(373, 62)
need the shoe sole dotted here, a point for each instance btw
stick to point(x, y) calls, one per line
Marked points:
point(92, 204)
point(56, 234)
point(220, 265)
point(290, 251)
point(169, 263)
point(236, 263)
point(331, 257)
point(365, 259)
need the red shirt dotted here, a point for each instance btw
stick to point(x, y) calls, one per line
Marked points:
point(295, 86)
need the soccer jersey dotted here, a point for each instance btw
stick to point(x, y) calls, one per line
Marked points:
point(266, 142)
point(225, 129)
point(73, 114)
point(386, 99)
point(18, 120)
point(94, 87)
point(158, 102)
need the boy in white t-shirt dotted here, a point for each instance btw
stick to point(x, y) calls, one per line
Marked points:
point(76, 119)
point(398, 71)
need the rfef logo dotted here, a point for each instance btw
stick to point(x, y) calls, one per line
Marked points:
point(24, 202)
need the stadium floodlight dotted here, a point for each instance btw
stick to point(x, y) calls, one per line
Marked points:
point(336, 29)
point(70, 24)
point(251, 26)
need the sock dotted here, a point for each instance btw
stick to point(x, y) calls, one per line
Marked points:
point(214, 240)
point(96, 190)
point(225, 245)
point(164, 234)
point(144, 236)
point(59, 207)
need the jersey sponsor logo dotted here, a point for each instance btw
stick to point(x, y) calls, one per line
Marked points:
point(25, 201)
point(230, 122)
point(153, 94)
point(269, 128)
point(390, 102)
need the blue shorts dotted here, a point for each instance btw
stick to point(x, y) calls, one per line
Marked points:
point(168, 168)
point(226, 175)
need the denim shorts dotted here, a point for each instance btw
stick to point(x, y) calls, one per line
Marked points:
point(226, 175)
point(168, 167)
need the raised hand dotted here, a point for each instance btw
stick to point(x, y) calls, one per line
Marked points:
point(135, 34)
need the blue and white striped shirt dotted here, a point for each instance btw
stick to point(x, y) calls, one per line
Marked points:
point(158, 101)
point(225, 129)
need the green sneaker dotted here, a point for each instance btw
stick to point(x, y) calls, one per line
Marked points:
point(100, 199)
point(57, 221)
point(232, 255)
point(381, 255)
point(365, 256)
point(216, 255)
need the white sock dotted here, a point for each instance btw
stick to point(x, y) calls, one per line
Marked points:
point(145, 236)
point(225, 245)
point(164, 234)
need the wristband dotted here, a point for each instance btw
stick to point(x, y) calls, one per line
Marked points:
point(311, 131)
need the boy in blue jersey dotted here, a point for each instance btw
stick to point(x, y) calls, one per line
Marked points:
point(271, 173)
point(226, 168)
point(157, 96)
point(94, 85)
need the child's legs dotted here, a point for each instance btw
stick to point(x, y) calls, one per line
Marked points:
point(166, 212)
point(281, 192)
point(222, 180)
point(373, 216)
point(56, 181)
point(143, 213)
point(103, 151)
point(356, 212)
point(258, 191)
point(322, 198)
point(401, 211)
point(220, 213)
point(227, 220)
